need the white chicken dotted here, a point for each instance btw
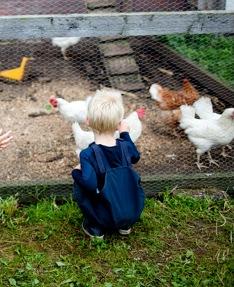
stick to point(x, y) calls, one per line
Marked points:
point(64, 43)
point(134, 123)
point(207, 133)
point(75, 111)
point(204, 109)
point(84, 138)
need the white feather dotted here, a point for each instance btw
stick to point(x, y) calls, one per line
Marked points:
point(154, 91)
point(187, 116)
point(82, 138)
point(65, 42)
point(135, 126)
point(204, 109)
point(75, 111)
point(208, 133)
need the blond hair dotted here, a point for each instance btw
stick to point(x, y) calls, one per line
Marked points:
point(105, 112)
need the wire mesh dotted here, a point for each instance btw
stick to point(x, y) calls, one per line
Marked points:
point(44, 149)
point(35, 7)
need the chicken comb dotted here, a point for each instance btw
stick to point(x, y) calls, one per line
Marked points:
point(53, 101)
point(141, 113)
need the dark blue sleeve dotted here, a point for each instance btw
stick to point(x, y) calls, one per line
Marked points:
point(86, 177)
point(133, 152)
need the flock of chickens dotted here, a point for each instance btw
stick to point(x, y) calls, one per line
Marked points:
point(204, 128)
point(194, 114)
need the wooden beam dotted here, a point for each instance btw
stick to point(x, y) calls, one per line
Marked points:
point(111, 24)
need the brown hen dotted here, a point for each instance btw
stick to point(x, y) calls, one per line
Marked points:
point(170, 99)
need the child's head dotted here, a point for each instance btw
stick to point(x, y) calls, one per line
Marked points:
point(105, 112)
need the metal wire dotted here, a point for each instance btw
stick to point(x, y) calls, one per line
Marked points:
point(43, 150)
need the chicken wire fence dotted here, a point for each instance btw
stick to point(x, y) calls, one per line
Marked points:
point(178, 68)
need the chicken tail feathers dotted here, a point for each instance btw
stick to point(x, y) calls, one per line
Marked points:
point(191, 92)
point(155, 92)
point(203, 107)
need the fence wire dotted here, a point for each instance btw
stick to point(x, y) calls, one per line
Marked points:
point(35, 7)
point(44, 149)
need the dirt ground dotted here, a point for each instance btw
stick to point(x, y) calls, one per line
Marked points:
point(43, 146)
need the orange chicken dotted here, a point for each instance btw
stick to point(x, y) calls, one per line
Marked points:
point(170, 99)
point(16, 74)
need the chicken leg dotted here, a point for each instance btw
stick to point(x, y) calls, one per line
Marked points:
point(64, 50)
point(211, 160)
point(200, 165)
point(228, 146)
point(223, 153)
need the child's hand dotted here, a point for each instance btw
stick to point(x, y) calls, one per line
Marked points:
point(123, 126)
point(77, 167)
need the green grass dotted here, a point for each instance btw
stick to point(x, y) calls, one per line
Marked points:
point(183, 241)
point(215, 53)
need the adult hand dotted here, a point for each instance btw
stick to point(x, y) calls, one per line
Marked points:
point(5, 139)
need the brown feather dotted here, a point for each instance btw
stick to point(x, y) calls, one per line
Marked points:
point(171, 99)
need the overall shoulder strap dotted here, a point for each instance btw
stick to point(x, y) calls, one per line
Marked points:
point(99, 157)
point(126, 160)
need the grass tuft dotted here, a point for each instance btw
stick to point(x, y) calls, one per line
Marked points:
point(8, 208)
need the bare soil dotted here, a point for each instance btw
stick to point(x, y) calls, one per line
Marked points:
point(43, 146)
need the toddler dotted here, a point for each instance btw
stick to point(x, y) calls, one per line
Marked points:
point(106, 188)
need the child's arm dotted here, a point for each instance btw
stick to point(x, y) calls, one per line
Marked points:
point(134, 153)
point(86, 176)
point(124, 134)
